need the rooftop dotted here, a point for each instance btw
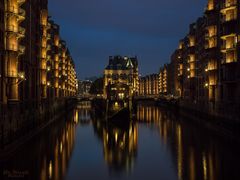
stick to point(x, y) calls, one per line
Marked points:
point(122, 63)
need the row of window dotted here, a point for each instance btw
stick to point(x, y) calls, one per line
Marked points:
point(121, 76)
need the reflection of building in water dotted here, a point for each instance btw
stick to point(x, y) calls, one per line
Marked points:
point(84, 105)
point(54, 161)
point(119, 145)
point(148, 113)
point(193, 159)
point(83, 112)
point(186, 150)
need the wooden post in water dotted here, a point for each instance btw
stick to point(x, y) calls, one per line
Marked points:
point(106, 115)
point(130, 107)
point(2, 138)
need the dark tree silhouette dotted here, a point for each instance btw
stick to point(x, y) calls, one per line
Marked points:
point(97, 86)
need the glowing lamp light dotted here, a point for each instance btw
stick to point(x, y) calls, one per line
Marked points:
point(48, 84)
point(61, 147)
point(188, 69)
point(206, 84)
point(21, 75)
point(50, 169)
point(116, 136)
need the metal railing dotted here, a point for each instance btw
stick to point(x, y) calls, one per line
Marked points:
point(21, 30)
point(21, 49)
point(20, 2)
point(22, 12)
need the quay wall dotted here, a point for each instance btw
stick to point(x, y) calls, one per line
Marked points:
point(226, 121)
point(20, 119)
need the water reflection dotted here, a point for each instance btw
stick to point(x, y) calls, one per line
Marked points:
point(119, 145)
point(158, 145)
point(197, 153)
point(45, 156)
point(83, 112)
point(148, 114)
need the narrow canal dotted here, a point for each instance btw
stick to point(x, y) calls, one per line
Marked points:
point(159, 145)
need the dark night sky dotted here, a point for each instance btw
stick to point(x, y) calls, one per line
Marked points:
point(96, 29)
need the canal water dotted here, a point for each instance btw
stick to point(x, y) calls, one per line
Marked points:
point(158, 145)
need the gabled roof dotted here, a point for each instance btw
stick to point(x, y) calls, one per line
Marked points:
point(122, 63)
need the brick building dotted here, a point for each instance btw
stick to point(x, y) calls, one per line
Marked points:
point(149, 85)
point(36, 71)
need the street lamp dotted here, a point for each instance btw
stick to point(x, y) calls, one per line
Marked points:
point(206, 85)
point(12, 81)
point(20, 78)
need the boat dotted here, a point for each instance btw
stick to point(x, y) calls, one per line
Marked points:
point(121, 118)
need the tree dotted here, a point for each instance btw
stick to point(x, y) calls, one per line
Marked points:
point(97, 87)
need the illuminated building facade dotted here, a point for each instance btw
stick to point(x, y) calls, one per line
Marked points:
point(230, 63)
point(190, 80)
point(32, 49)
point(177, 72)
point(206, 63)
point(1, 51)
point(62, 80)
point(211, 72)
point(122, 71)
point(14, 32)
point(149, 85)
point(164, 80)
point(34, 71)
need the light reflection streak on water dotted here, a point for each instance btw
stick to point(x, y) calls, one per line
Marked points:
point(193, 153)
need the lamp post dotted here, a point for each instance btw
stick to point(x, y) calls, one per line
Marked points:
point(7, 80)
point(20, 77)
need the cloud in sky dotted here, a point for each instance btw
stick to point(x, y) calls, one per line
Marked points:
point(96, 29)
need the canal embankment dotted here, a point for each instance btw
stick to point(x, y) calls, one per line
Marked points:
point(224, 125)
point(19, 127)
point(221, 124)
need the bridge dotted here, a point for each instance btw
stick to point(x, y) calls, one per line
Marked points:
point(85, 97)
